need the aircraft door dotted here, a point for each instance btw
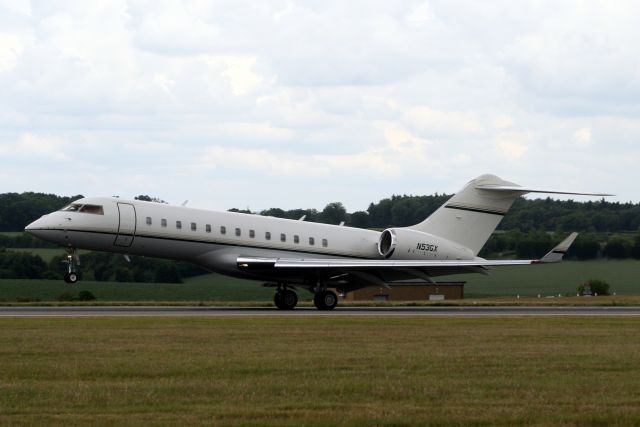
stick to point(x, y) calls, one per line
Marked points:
point(127, 225)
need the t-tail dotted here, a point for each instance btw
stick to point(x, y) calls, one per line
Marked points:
point(472, 215)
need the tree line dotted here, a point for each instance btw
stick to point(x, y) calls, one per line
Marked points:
point(18, 210)
point(608, 230)
point(96, 266)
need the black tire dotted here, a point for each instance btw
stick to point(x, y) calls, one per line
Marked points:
point(66, 278)
point(289, 299)
point(277, 300)
point(325, 300)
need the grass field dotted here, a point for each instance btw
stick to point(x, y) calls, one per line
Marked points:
point(200, 288)
point(336, 371)
point(552, 279)
point(11, 233)
point(46, 254)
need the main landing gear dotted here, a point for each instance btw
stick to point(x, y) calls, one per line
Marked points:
point(285, 299)
point(325, 300)
point(72, 260)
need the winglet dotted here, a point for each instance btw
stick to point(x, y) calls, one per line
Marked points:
point(556, 254)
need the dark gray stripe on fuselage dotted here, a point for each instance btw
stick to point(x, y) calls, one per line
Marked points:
point(302, 251)
point(478, 210)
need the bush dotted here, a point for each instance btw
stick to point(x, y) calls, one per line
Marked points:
point(86, 296)
point(618, 247)
point(67, 296)
point(596, 287)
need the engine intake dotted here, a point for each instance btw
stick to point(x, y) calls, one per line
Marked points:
point(405, 243)
point(388, 242)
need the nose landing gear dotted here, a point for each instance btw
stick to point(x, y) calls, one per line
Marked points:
point(73, 259)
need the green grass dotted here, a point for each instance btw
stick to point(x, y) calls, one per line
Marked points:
point(210, 287)
point(11, 233)
point(46, 254)
point(337, 371)
point(552, 279)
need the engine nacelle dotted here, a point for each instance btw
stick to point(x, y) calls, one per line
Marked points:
point(404, 243)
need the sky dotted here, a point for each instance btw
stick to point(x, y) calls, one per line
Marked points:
point(296, 104)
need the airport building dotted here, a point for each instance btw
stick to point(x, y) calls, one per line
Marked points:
point(409, 292)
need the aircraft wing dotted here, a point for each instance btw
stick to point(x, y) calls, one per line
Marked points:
point(338, 263)
point(555, 255)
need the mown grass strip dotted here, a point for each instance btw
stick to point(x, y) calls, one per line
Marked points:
point(332, 371)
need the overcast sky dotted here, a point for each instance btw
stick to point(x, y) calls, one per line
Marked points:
point(300, 103)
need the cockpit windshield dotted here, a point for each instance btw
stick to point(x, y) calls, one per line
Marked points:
point(78, 207)
point(74, 207)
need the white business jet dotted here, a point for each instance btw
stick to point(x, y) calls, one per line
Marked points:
point(290, 254)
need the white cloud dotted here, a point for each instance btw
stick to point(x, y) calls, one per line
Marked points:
point(240, 71)
point(323, 97)
point(36, 146)
point(11, 49)
point(582, 137)
point(512, 146)
point(376, 164)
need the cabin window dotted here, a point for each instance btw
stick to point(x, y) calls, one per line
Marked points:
point(283, 237)
point(252, 233)
point(223, 229)
point(296, 239)
point(178, 225)
point(194, 227)
point(325, 243)
point(92, 209)
point(148, 220)
point(312, 241)
point(207, 228)
point(267, 235)
point(238, 232)
point(163, 222)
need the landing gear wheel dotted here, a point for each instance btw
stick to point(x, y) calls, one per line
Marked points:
point(73, 260)
point(285, 300)
point(325, 300)
point(289, 299)
point(71, 277)
point(277, 300)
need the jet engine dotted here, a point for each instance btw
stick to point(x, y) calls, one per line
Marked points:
point(405, 243)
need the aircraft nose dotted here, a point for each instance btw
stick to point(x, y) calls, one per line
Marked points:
point(35, 225)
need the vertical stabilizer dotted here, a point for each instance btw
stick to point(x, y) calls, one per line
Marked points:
point(470, 216)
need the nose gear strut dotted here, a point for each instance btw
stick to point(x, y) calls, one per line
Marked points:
point(73, 260)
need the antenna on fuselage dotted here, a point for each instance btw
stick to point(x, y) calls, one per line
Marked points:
point(302, 218)
point(185, 203)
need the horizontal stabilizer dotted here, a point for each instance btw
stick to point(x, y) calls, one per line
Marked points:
point(556, 254)
point(513, 188)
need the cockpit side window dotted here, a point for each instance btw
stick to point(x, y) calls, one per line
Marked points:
point(92, 209)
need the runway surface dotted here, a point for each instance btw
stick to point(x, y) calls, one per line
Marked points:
point(146, 311)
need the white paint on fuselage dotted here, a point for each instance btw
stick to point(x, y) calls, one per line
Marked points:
point(98, 232)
